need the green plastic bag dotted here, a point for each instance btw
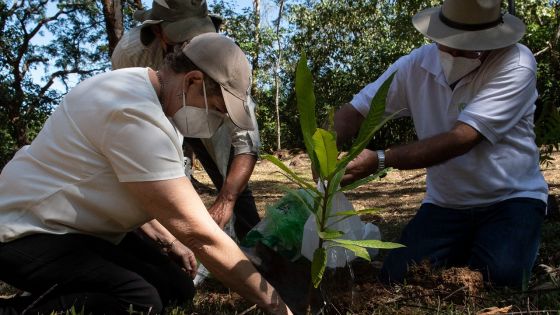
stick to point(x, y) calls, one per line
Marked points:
point(282, 227)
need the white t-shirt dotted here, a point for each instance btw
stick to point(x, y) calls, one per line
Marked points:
point(109, 129)
point(497, 99)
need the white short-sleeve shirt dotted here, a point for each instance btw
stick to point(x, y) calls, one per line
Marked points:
point(497, 99)
point(109, 129)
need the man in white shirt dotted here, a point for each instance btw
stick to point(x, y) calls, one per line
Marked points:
point(108, 160)
point(229, 156)
point(471, 96)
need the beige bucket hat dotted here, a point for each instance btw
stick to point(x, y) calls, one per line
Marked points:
point(470, 25)
point(222, 60)
point(180, 20)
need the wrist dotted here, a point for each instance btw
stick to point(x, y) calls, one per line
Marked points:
point(165, 246)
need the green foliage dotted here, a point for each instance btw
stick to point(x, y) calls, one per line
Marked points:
point(43, 44)
point(543, 31)
point(322, 150)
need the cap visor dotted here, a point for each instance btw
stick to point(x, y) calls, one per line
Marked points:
point(238, 111)
point(151, 22)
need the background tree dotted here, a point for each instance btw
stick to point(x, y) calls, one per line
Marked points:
point(277, 74)
point(46, 39)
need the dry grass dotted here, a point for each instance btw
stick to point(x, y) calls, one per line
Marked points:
point(399, 194)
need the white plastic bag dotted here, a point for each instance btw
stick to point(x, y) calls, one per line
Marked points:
point(352, 228)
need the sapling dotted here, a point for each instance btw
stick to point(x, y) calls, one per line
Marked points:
point(321, 148)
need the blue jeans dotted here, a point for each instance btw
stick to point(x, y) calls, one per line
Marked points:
point(500, 240)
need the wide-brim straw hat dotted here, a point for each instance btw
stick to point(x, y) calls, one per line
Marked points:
point(470, 25)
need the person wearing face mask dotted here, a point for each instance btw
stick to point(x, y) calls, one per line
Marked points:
point(471, 96)
point(229, 153)
point(108, 160)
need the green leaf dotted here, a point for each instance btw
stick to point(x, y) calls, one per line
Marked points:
point(318, 266)
point(330, 234)
point(370, 243)
point(298, 180)
point(334, 181)
point(373, 122)
point(366, 180)
point(357, 212)
point(324, 145)
point(311, 193)
point(359, 251)
point(305, 97)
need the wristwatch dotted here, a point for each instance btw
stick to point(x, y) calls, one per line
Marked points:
point(380, 160)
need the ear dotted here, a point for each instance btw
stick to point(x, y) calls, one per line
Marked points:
point(193, 79)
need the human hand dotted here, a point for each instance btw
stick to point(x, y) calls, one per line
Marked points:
point(363, 165)
point(221, 211)
point(184, 257)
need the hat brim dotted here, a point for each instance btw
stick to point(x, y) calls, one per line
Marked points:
point(238, 110)
point(504, 34)
point(151, 22)
point(183, 30)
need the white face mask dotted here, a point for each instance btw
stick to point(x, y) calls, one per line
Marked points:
point(455, 68)
point(194, 122)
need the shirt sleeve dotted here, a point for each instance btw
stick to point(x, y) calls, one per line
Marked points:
point(507, 97)
point(246, 141)
point(396, 98)
point(140, 148)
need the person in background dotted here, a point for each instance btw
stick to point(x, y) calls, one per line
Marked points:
point(109, 159)
point(471, 95)
point(229, 155)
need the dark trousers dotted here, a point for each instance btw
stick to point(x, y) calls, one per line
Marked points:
point(245, 210)
point(80, 271)
point(500, 240)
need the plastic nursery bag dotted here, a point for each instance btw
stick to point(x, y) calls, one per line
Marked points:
point(352, 228)
point(282, 227)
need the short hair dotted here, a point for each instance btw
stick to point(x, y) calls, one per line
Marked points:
point(179, 63)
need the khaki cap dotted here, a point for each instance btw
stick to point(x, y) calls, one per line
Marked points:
point(180, 20)
point(222, 60)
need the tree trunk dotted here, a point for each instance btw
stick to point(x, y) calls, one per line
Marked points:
point(257, 41)
point(277, 76)
point(112, 12)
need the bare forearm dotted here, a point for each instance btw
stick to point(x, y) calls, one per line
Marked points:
point(419, 154)
point(238, 273)
point(238, 174)
point(347, 122)
point(433, 150)
point(157, 232)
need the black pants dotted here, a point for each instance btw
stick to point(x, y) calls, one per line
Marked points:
point(61, 271)
point(245, 210)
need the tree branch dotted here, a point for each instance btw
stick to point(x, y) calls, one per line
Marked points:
point(542, 51)
point(62, 73)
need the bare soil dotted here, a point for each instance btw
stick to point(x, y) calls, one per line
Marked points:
point(455, 290)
